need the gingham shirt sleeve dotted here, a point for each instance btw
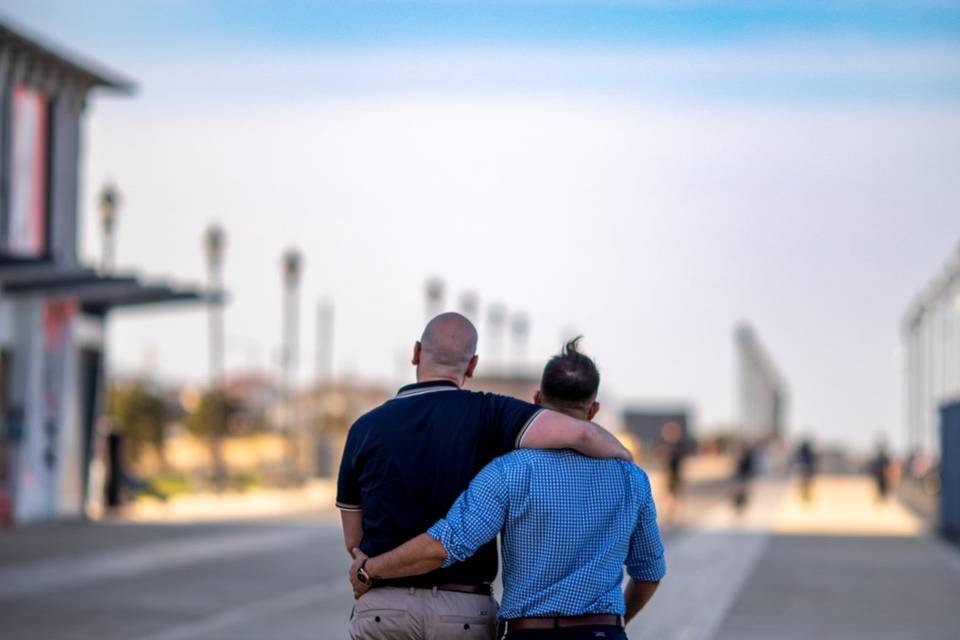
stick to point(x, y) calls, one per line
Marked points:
point(645, 556)
point(476, 517)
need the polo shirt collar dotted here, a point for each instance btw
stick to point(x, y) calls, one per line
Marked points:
point(429, 386)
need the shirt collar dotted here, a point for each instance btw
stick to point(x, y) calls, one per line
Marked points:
point(426, 387)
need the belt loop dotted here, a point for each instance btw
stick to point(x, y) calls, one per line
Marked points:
point(434, 590)
point(556, 623)
point(412, 591)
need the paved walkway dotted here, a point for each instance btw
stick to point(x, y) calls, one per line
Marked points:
point(839, 567)
point(276, 579)
point(315, 497)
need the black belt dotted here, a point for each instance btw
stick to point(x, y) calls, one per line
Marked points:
point(481, 589)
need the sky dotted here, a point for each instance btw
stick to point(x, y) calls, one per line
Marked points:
point(645, 173)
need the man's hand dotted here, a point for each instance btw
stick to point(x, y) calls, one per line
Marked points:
point(359, 588)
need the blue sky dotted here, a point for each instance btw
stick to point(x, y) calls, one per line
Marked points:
point(369, 22)
point(645, 173)
point(831, 33)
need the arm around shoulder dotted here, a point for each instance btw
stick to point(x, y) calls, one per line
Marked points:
point(554, 430)
point(418, 555)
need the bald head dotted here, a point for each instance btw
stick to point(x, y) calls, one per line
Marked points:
point(448, 345)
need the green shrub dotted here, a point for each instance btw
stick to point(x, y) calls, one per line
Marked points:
point(246, 480)
point(165, 485)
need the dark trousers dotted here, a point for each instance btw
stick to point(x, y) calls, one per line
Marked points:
point(588, 632)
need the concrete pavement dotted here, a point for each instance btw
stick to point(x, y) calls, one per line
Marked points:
point(882, 588)
point(270, 579)
point(841, 567)
point(846, 566)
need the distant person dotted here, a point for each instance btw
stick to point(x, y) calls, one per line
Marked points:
point(910, 464)
point(743, 476)
point(406, 462)
point(673, 437)
point(880, 470)
point(570, 524)
point(807, 463)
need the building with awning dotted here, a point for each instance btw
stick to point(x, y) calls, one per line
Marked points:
point(53, 308)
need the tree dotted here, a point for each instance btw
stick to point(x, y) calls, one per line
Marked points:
point(141, 416)
point(210, 419)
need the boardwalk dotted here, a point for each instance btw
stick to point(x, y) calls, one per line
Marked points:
point(839, 568)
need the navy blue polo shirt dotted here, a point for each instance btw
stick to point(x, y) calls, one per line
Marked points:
point(408, 460)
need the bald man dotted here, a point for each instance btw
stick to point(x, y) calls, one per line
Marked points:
point(407, 461)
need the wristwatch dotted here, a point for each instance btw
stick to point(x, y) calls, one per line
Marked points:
point(362, 574)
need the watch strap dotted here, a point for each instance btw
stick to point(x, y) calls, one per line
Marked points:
point(365, 577)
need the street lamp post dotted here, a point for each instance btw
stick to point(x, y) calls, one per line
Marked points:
point(434, 291)
point(520, 329)
point(214, 243)
point(496, 319)
point(109, 204)
point(469, 305)
point(324, 341)
point(292, 264)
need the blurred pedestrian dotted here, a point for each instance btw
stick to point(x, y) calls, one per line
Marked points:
point(673, 437)
point(743, 476)
point(880, 470)
point(807, 462)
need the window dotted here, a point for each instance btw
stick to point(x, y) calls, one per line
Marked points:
point(26, 220)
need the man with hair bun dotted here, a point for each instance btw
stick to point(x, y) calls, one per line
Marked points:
point(570, 524)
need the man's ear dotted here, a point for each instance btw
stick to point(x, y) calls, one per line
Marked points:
point(471, 366)
point(417, 348)
point(592, 412)
point(538, 398)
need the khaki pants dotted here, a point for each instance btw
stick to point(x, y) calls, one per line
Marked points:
point(393, 613)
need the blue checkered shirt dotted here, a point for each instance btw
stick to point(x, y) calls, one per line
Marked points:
point(570, 524)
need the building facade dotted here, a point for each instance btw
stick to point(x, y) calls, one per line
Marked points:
point(656, 427)
point(761, 391)
point(52, 308)
point(931, 358)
